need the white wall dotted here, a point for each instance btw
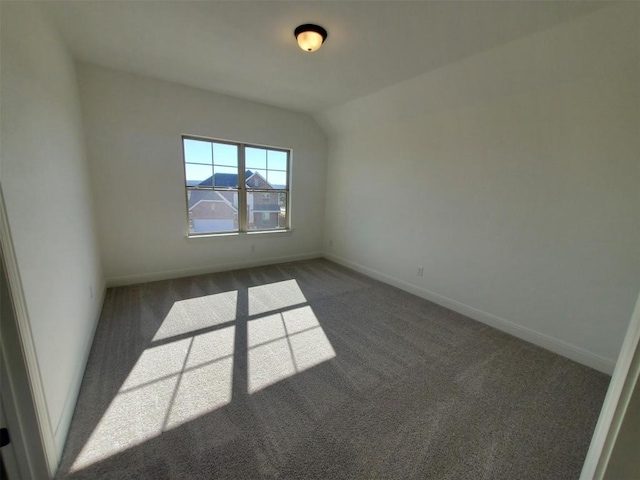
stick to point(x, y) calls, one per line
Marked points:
point(512, 177)
point(134, 126)
point(45, 183)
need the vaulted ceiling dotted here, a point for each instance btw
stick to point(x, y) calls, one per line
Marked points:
point(247, 48)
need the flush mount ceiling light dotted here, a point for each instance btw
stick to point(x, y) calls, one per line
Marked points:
point(310, 37)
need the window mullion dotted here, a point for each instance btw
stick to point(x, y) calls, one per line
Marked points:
point(242, 191)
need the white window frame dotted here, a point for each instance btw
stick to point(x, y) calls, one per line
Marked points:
point(242, 190)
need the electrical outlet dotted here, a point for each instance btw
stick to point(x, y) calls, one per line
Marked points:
point(420, 271)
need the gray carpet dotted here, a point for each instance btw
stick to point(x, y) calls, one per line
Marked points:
point(310, 370)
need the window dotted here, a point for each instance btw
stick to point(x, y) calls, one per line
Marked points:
point(218, 203)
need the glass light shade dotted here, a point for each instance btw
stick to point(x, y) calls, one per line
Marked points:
point(310, 41)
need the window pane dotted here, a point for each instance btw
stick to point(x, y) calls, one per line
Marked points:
point(212, 212)
point(224, 154)
point(265, 210)
point(197, 174)
point(277, 160)
point(225, 176)
point(197, 151)
point(277, 179)
point(213, 166)
point(255, 158)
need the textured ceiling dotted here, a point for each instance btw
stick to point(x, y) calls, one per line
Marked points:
point(247, 49)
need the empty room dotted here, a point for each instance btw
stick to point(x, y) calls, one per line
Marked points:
point(320, 239)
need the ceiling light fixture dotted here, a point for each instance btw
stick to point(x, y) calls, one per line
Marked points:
point(310, 37)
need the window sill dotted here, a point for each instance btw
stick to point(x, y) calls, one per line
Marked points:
point(241, 235)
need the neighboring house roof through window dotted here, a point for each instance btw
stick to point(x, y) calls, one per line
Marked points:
point(225, 179)
point(252, 179)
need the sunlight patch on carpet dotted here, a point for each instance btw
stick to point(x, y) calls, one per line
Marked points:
point(206, 383)
point(169, 385)
point(198, 313)
point(187, 371)
point(274, 296)
point(284, 344)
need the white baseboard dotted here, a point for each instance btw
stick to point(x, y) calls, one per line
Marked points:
point(555, 345)
point(64, 422)
point(222, 267)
